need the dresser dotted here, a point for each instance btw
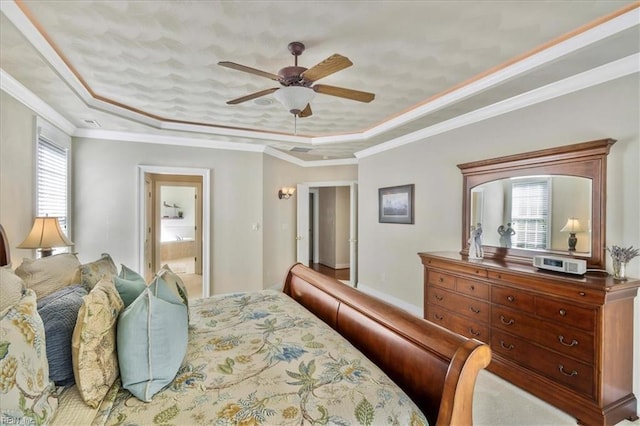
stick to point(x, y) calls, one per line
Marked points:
point(566, 339)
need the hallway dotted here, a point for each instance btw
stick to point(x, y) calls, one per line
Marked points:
point(340, 274)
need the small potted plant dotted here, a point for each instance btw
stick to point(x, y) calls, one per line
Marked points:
point(620, 257)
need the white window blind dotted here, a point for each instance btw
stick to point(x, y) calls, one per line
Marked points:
point(530, 214)
point(52, 165)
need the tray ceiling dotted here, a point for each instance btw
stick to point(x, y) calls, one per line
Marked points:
point(150, 68)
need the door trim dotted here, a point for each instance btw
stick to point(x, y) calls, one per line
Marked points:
point(206, 215)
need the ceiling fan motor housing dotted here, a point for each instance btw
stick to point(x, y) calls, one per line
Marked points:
point(290, 76)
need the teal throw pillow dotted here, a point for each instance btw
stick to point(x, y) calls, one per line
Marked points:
point(129, 290)
point(129, 274)
point(152, 340)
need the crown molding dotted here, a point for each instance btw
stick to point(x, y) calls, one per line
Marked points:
point(593, 77)
point(23, 95)
point(113, 135)
point(309, 163)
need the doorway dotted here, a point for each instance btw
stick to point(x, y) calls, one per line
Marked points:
point(327, 228)
point(174, 223)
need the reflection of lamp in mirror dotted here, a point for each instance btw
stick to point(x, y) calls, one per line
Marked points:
point(572, 226)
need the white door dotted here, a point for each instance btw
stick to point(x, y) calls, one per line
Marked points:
point(353, 236)
point(302, 232)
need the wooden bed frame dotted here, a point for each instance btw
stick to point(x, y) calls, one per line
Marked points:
point(434, 366)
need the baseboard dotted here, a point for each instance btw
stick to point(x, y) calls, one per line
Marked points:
point(336, 266)
point(412, 309)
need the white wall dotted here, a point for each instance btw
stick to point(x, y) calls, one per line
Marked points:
point(17, 173)
point(387, 256)
point(327, 227)
point(106, 205)
point(343, 215)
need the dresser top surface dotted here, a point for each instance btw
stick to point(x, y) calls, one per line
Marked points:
point(594, 280)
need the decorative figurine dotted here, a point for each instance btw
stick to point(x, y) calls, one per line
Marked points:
point(475, 242)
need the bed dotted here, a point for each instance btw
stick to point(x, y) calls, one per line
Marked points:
point(316, 351)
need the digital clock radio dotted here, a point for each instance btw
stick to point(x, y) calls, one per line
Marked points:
point(560, 264)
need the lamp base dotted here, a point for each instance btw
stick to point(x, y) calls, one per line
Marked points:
point(46, 252)
point(572, 241)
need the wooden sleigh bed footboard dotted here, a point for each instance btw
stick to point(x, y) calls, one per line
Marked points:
point(434, 366)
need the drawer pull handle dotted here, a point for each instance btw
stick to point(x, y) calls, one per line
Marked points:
point(441, 279)
point(504, 320)
point(509, 348)
point(474, 309)
point(572, 374)
point(574, 342)
point(439, 298)
point(438, 317)
point(472, 287)
point(511, 299)
point(582, 293)
point(562, 312)
point(477, 271)
point(474, 332)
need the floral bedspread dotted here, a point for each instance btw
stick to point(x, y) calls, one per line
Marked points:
point(261, 359)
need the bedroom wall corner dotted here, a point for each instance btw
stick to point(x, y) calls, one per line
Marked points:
point(279, 218)
point(17, 173)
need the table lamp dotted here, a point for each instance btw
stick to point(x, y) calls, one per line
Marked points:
point(45, 236)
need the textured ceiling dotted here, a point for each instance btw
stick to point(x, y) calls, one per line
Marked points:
point(150, 67)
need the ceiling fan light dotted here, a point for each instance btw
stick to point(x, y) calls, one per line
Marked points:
point(294, 98)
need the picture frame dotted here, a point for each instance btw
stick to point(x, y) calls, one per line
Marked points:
point(395, 204)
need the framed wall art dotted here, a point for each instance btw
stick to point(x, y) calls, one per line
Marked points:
point(395, 204)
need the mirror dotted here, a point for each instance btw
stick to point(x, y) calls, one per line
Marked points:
point(549, 201)
point(531, 212)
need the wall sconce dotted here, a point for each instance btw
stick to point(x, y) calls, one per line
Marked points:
point(285, 192)
point(572, 226)
point(45, 235)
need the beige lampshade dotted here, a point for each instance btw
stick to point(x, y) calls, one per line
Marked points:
point(45, 235)
point(572, 226)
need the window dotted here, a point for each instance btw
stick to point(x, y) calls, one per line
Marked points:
point(52, 176)
point(530, 213)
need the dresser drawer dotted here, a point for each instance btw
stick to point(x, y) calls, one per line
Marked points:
point(473, 288)
point(557, 337)
point(442, 280)
point(513, 298)
point(573, 374)
point(456, 267)
point(566, 313)
point(458, 324)
point(470, 308)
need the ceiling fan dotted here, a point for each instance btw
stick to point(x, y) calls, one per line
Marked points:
point(297, 83)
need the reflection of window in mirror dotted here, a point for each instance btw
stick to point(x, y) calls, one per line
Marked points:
point(530, 213)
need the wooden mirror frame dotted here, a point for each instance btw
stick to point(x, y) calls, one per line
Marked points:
point(587, 159)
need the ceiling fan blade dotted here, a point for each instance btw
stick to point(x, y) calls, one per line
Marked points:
point(341, 92)
point(252, 96)
point(306, 112)
point(250, 70)
point(333, 63)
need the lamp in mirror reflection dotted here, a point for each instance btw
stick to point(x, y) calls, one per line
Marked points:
point(45, 235)
point(285, 192)
point(572, 227)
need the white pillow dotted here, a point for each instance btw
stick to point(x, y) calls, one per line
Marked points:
point(49, 274)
